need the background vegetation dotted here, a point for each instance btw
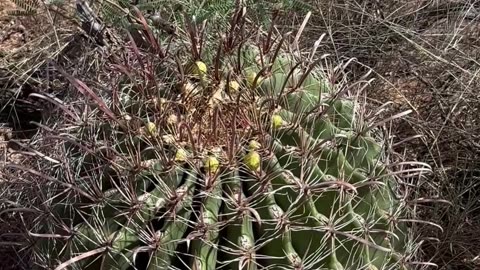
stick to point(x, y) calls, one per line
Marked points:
point(424, 56)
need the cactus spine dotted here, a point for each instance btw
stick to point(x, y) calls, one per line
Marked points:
point(265, 166)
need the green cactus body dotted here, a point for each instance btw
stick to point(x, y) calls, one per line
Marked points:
point(310, 192)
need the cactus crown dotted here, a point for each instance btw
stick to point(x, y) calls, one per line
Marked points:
point(225, 154)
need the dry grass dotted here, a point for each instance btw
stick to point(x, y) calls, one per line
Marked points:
point(27, 43)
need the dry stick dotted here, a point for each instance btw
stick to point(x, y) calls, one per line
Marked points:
point(80, 257)
point(300, 30)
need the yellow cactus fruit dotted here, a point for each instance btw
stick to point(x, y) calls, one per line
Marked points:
point(211, 164)
point(233, 86)
point(151, 128)
point(277, 121)
point(201, 68)
point(251, 75)
point(253, 145)
point(181, 155)
point(252, 160)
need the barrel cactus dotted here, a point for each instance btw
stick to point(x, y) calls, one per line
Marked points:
point(230, 154)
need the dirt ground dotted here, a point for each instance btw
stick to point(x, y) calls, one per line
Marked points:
point(12, 33)
point(25, 43)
